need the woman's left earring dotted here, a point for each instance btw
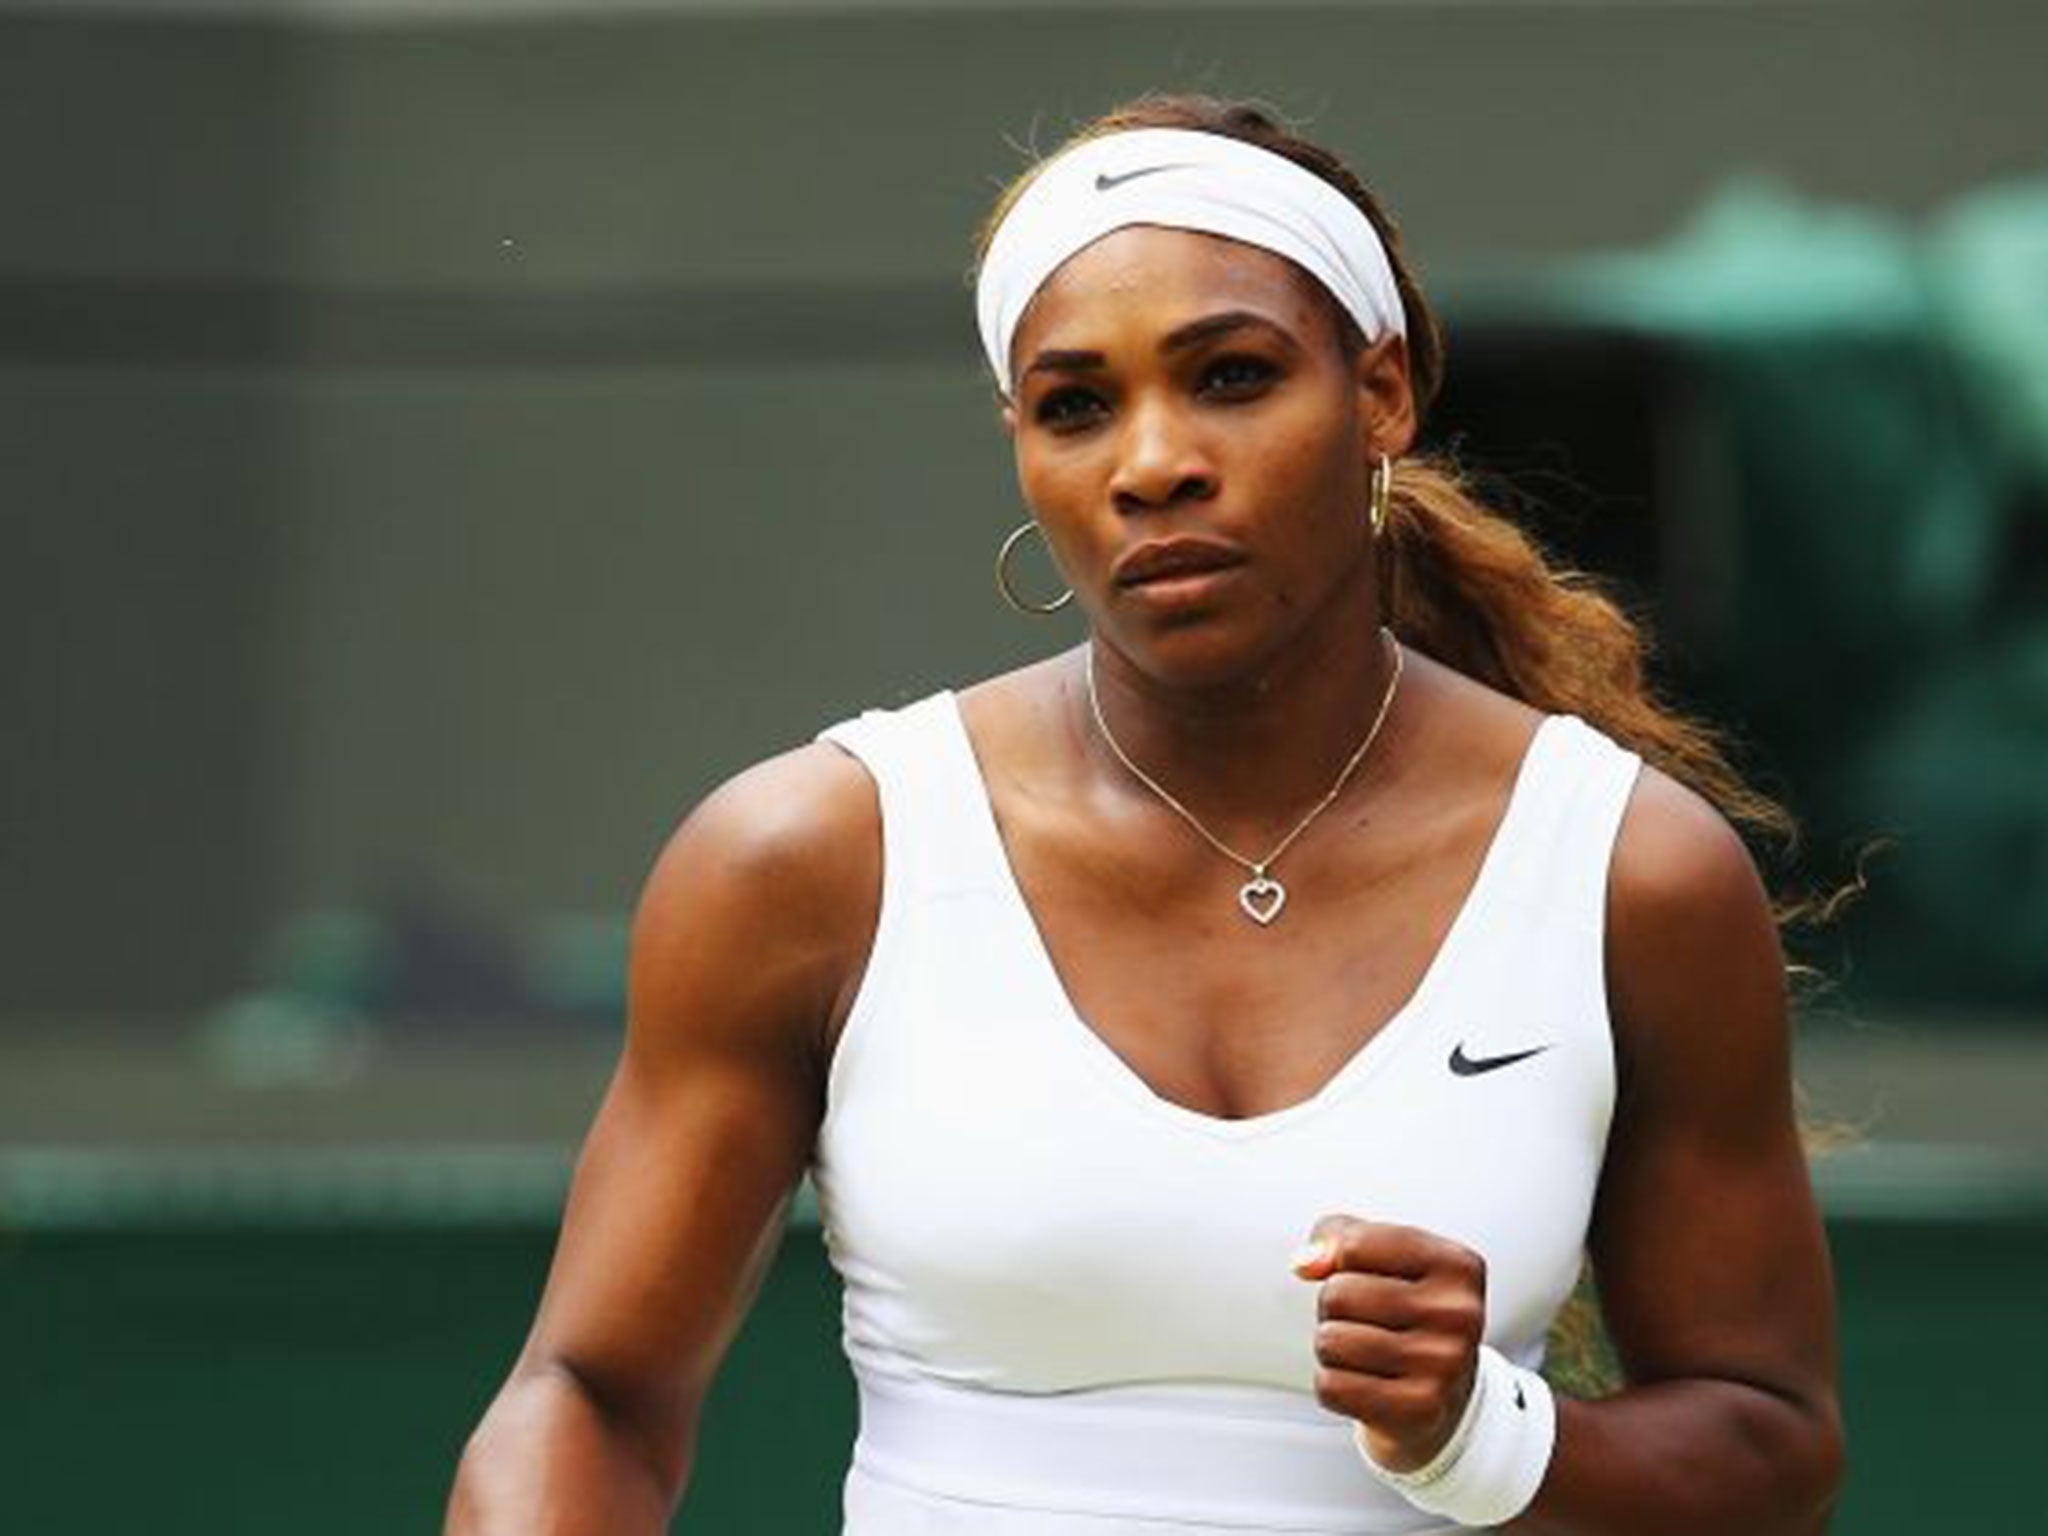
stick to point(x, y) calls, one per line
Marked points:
point(1382, 493)
point(1023, 605)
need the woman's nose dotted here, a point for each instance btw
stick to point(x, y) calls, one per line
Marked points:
point(1159, 463)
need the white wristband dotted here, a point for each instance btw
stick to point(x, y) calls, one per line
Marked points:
point(1494, 1462)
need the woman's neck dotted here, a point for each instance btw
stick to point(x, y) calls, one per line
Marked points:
point(1249, 751)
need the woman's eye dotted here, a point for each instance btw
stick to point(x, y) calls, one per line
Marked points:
point(1238, 375)
point(1068, 409)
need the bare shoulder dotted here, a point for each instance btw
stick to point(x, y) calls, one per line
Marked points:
point(1694, 964)
point(1681, 876)
point(797, 817)
point(769, 890)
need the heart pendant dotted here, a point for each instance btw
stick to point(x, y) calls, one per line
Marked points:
point(1262, 897)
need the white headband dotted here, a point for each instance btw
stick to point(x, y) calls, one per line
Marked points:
point(1183, 179)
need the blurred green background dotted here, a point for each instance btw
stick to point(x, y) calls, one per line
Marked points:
point(440, 440)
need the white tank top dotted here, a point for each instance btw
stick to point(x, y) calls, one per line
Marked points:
point(1068, 1303)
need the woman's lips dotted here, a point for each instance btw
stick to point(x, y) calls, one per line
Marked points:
point(1177, 575)
point(1177, 562)
point(1190, 591)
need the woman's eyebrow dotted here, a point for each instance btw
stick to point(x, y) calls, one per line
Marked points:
point(1180, 339)
point(1209, 327)
point(1058, 361)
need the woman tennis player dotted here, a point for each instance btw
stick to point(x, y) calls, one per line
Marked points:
point(1217, 1047)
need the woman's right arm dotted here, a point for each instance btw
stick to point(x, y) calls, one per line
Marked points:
point(747, 948)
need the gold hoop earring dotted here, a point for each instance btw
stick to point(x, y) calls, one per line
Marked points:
point(1017, 536)
point(1382, 493)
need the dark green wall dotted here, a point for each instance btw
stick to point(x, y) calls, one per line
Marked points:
point(433, 453)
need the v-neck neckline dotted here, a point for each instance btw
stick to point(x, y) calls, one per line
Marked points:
point(1123, 1078)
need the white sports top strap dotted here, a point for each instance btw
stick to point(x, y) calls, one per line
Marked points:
point(1567, 819)
point(930, 789)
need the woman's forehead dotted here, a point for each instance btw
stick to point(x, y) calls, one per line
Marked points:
point(1150, 274)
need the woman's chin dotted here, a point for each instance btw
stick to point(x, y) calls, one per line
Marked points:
point(1195, 651)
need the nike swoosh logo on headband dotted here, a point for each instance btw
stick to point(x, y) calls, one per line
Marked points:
point(1104, 181)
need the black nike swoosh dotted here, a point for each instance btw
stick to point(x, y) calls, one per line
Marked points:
point(1472, 1066)
point(1104, 181)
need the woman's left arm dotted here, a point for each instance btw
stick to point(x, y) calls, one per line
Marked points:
point(1707, 1247)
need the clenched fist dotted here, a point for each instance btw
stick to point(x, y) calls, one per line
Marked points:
point(1399, 1319)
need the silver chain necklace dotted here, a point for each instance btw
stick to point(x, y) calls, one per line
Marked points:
point(1261, 897)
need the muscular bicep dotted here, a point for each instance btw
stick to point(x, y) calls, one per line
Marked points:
point(751, 927)
point(1707, 1247)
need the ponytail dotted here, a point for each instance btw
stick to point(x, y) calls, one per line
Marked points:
point(1462, 584)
